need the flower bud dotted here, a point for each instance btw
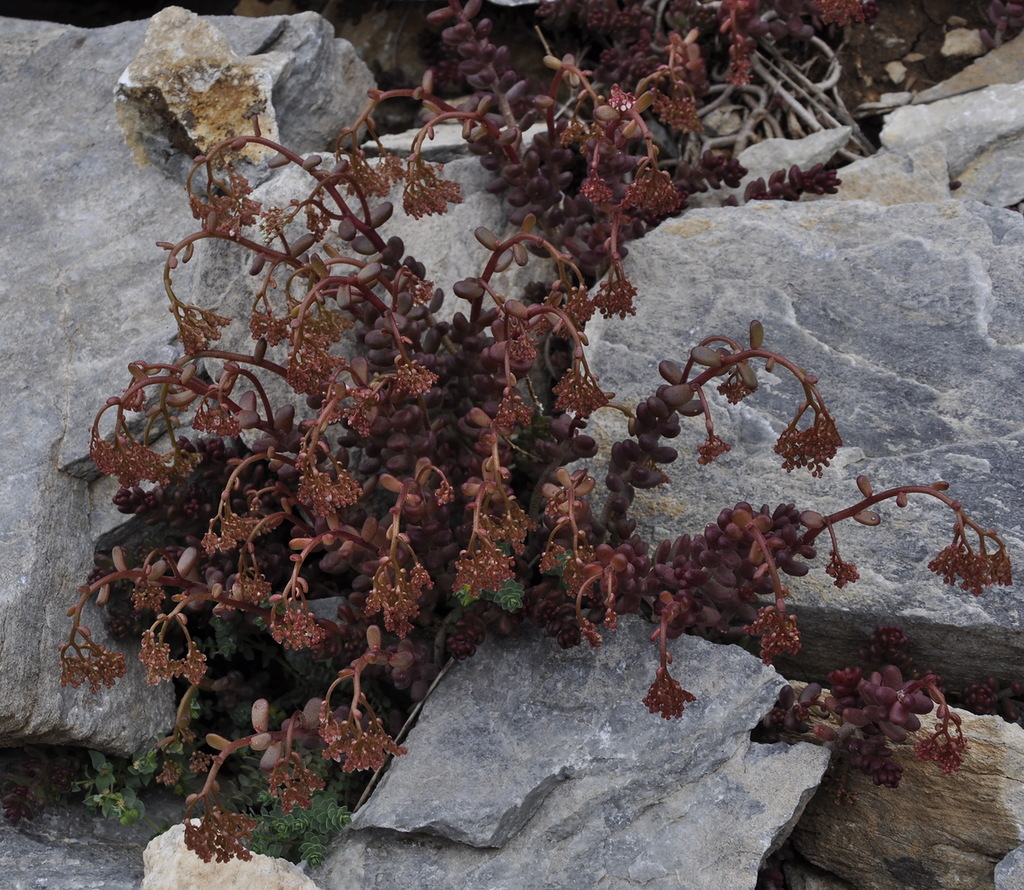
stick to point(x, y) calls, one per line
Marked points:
point(271, 756)
point(702, 355)
point(756, 334)
point(867, 517)
point(260, 715)
point(187, 561)
point(217, 742)
point(261, 742)
point(118, 556)
point(373, 638)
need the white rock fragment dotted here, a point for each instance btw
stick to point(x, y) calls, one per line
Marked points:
point(963, 42)
point(170, 865)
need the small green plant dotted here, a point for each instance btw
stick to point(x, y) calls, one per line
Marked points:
point(429, 479)
point(300, 834)
point(113, 787)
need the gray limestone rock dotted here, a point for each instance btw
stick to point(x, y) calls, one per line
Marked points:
point(764, 158)
point(911, 316)
point(555, 775)
point(982, 132)
point(889, 177)
point(80, 221)
point(1009, 873)
point(82, 296)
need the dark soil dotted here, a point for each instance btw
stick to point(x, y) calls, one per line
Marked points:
point(910, 33)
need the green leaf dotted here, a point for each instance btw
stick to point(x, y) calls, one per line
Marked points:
point(509, 595)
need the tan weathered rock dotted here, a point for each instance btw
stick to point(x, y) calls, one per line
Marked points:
point(170, 865)
point(890, 177)
point(963, 42)
point(1005, 64)
point(187, 89)
point(936, 831)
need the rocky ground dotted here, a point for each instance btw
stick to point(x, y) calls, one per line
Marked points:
point(69, 847)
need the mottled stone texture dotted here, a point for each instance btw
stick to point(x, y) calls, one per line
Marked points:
point(912, 316)
point(82, 296)
point(537, 767)
point(936, 832)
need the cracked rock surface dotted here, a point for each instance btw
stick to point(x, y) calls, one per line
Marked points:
point(533, 766)
point(912, 317)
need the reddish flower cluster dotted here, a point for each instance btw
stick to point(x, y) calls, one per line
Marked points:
point(376, 179)
point(411, 378)
point(711, 448)
point(296, 627)
point(219, 835)
point(156, 656)
point(396, 592)
point(813, 447)
point(615, 293)
point(484, 567)
point(843, 572)
point(578, 392)
point(197, 328)
point(231, 210)
point(665, 696)
point(293, 783)
point(212, 417)
point(425, 193)
point(841, 12)
point(596, 189)
point(513, 412)
point(250, 587)
point(356, 748)
point(677, 111)
point(130, 461)
point(778, 632)
point(946, 745)
point(735, 388)
point(147, 595)
point(654, 192)
point(972, 570)
point(233, 530)
point(97, 665)
point(324, 493)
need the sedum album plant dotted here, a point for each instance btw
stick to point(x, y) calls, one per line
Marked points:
point(427, 480)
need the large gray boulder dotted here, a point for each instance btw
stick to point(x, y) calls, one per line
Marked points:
point(532, 766)
point(976, 119)
point(83, 297)
point(911, 316)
